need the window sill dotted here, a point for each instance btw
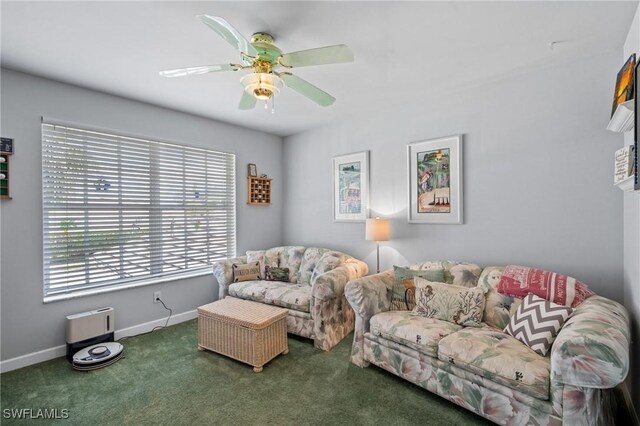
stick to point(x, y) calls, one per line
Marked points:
point(141, 283)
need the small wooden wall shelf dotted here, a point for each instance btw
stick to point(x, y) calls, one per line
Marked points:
point(4, 170)
point(258, 191)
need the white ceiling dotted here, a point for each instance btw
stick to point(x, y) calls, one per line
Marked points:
point(404, 51)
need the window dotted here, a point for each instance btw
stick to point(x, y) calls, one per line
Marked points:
point(121, 211)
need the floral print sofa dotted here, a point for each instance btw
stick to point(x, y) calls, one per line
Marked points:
point(487, 371)
point(314, 295)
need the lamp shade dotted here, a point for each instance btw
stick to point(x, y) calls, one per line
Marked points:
point(377, 229)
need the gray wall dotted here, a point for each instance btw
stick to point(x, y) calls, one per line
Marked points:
point(632, 286)
point(537, 176)
point(28, 325)
point(632, 242)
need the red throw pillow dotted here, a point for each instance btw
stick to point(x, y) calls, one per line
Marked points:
point(518, 281)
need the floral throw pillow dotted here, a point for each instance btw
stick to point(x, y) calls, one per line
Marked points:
point(246, 272)
point(447, 302)
point(276, 274)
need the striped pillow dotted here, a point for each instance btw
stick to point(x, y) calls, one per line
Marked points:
point(518, 281)
point(536, 322)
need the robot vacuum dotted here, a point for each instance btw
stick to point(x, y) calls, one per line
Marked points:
point(97, 356)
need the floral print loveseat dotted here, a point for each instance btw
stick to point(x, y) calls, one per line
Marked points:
point(314, 294)
point(487, 371)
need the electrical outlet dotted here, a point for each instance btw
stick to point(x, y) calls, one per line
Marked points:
point(157, 295)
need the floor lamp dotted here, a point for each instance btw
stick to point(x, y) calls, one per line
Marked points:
point(377, 230)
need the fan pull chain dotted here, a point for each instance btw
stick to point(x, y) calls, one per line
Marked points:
point(273, 105)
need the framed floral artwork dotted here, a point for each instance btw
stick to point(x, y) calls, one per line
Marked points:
point(351, 187)
point(435, 181)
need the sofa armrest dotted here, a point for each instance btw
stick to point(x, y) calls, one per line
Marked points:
point(367, 296)
point(223, 272)
point(592, 348)
point(371, 295)
point(331, 284)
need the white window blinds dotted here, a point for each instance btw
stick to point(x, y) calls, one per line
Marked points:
point(121, 211)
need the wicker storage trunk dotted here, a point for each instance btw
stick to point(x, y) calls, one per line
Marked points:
point(247, 331)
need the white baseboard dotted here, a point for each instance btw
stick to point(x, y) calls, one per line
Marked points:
point(148, 326)
point(32, 358)
point(630, 406)
point(58, 351)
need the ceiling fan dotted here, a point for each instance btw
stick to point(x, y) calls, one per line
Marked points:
point(266, 61)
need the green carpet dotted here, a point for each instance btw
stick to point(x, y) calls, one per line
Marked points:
point(163, 379)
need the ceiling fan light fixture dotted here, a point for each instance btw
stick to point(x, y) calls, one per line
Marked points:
point(261, 56)
point(261, 85)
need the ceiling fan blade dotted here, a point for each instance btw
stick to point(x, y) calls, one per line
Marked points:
point(181, 72)
point(307, 89)
point(230, 34)
point(319, 56)
point(247, 101)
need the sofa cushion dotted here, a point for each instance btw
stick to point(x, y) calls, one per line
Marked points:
point(309, 260)
point(461, 273)
point(252, 290)
point(419, 333)
point(457, 273)
point(259, 256)
point(498, 308)
point(272, 256)
point(288, 257)
point(328, 262)
point(291, 296)
point(499, 357)
point(278, 293)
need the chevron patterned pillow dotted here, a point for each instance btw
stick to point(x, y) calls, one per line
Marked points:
point(537, 322)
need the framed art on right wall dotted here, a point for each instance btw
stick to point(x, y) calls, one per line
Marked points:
point(435, 181)
point(624, 90)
